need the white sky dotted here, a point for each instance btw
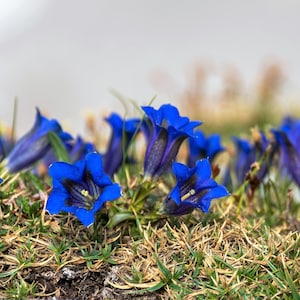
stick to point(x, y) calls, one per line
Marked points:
point(65, 56)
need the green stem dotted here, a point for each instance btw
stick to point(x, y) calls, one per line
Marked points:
point(141, 194)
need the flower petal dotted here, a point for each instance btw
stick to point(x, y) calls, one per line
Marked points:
point(62, 170)
point(203, 170)
point(182, 172)
point(86, 217)
point(56, 202)
point(111, 192)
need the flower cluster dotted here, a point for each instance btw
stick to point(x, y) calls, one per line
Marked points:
point(84, 179)
point(83, 182)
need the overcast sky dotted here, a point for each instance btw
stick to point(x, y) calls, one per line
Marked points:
point(65, 56)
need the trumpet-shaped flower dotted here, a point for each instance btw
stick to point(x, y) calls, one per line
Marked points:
point(245, 156)
point(289, 156)
point(33, 145)
point(200, 146)
point(291, 126)
point(81, 188)
point(194, 189)
point(247, 153)
point(78, 148)
point(5, 145)
point(287, 139)
point(165, 130)
point(122, 134)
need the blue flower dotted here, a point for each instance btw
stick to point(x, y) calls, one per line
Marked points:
point(200, 146)
point(247, 153)
point(165, 130)
point(78, 148)
point(33, 145)
point(122, 134)
point(287, 139)
point(244, 157)
point(289, 158)
point(81, 188)
point(6, 144)
point(291, 127)
point(194, 189)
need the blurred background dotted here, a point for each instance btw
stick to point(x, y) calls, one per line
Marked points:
point(211, 58)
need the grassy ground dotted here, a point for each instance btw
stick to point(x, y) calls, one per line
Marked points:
point(240, 250)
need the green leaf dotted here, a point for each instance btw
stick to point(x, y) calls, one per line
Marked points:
point(292, 285)
point(156, 287)
point(14, 122)
point(167, 274)
point(11, 272)
point(151, 289)
point(119, 218)
point(58, 147)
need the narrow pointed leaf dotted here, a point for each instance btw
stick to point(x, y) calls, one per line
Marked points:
point(58, 147)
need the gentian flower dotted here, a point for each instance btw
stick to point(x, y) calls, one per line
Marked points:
point(261, 144)
point(33, 145)
point(5, 145)
point(200, 146)
point(81, 188)
point(291, 127)
point(289, 155)
point(287, 139)
point(78, 148)
point(165, 130)
point(244, 157)
point(122, 134)
point(194, 189)
point(247, 153)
